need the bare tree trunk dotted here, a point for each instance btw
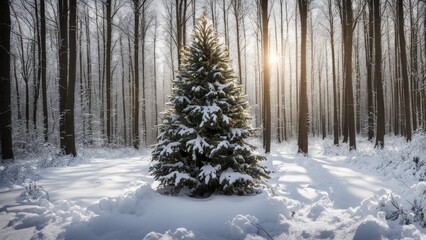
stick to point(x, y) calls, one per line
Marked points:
point(108, 70)
point(324, 104)
point(380, 132)
point(369, 61)
point(155, 76)
point(333, 65)
point(278, 86)
point(225, 9)
point(357, 85)
point(282, 66)
point(70, 99)
point(63, 69)
point(213, 13)
point(89, 80)
point(18, 98)
point(424, 70)
point(36, 65)
point(44, 70)
point(302, 140)
point(348, 26)
point(131, 79)
point(136, 79)
point(5, 83)
point(400, 14)
point(266, 77)
point(413, 63)
point(144, 29)
point(181, 8)
point(123, 95)
point(312, 81)
point(82, 84)
point(397, 96)
point(237, 7)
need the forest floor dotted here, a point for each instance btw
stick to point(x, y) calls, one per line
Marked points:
point(330, 194)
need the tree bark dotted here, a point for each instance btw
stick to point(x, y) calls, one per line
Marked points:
point(333, 65)
point(108, 70)
point(237, 7)
point(302, 140)
point(348, 25)
point(266, 77)
point(181, 8)
point(402, 45)
point(5, 83)
point(36, 64)
point(413, 64)
point(380, 132)
point(89, 80)
point(44, 70)
point(123, 95)
point(70, 99)
point(369, 63)
point(136, 79)
point(63, 69)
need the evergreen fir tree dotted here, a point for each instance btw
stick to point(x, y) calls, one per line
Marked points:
point(202, 142)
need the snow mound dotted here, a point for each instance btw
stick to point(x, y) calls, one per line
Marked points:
point(243, 225)
point(179, 233)
point(48, 220)
point(133, 202)
point(371, 228)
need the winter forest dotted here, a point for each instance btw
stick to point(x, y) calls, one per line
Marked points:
point(123, 55)
point(264, 119)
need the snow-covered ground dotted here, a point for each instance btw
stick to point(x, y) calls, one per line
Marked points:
point(330, 194)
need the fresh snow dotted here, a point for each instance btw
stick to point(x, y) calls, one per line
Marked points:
point(330, 194)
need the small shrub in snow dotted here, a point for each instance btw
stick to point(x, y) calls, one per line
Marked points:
point(243, 225)
point(408, 209)
point(34, 192)
point(202, 142)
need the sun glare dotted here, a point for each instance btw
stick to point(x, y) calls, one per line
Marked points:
point(273, 59)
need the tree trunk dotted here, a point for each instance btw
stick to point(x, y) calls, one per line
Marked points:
point(70, 99)
point(380, 132)
point(266, 77)
point(108, 71)
point(89, 80)
point(369, 62)
point(282, 61)
point(44, 70)
point(278, 86)
point(237, 7)
point(225, 23)
point(144, 29)
point(155, 77)
point(5, 83)
point(82, 85)
point(63, 69)
point(413, 64)
point(136, 80)
point(123, 95)
point(333, 65)
point(181, 7)
point(36, 65)
point(396, 86)
point(302, 140)
point(400, 17)
point(18, 98)
point(348, 25)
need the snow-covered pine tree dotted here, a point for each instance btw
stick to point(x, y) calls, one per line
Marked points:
point(202, 142)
